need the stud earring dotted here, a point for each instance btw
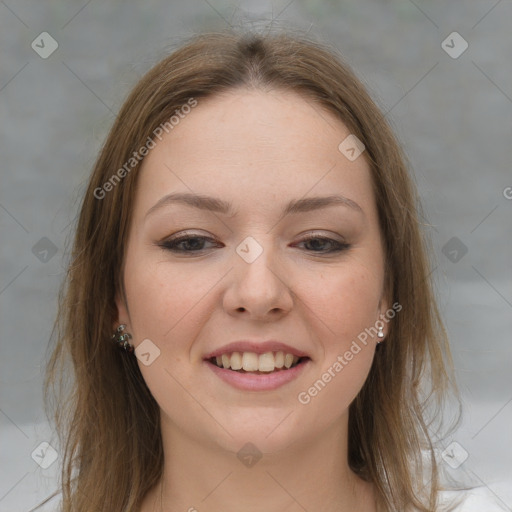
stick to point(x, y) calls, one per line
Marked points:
point(380, 334)
point(121, 339)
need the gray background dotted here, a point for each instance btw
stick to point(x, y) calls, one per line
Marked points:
point(453, 116)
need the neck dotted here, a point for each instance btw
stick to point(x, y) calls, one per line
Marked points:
point(310, 475)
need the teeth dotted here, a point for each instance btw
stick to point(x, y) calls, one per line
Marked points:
point(252, 362)
point(266, 362)
point(236, 361)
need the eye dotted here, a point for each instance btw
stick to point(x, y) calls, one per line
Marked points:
point(316, 242)
point(190, 243)
point(186, 243)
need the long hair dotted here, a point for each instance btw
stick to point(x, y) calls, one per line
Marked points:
point(107, 419)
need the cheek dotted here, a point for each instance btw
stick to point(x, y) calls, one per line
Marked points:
point(162, 298)
point(345, 300)
point(330, 393)
point(163, 302)
point(344, 307)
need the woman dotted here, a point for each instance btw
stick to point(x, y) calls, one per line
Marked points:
point(248, 311)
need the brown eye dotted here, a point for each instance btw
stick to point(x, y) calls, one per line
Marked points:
point(186, 244)
point(319, 242)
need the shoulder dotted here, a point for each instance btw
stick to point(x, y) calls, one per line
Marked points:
point(478, 499)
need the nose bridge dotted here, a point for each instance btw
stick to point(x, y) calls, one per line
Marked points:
point(258, 286)
point(257, 259)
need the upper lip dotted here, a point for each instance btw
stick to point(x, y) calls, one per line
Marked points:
point(258, 347)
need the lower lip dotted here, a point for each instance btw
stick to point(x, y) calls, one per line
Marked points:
point(258, 382)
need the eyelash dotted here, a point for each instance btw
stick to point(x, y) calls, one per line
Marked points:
point(171, 245)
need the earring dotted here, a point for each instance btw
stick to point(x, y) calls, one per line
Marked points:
point(121, 339)
point(380, 334)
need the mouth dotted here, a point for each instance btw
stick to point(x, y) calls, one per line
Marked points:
point(248, 371)
point(257, 364)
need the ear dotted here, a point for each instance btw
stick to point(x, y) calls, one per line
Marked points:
point(123, 315)
point(384, 306)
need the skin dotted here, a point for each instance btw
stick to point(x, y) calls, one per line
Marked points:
point(258, 150)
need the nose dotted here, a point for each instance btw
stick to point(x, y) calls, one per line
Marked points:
point(258, 290)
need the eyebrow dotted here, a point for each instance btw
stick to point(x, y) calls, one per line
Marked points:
point(213, 204)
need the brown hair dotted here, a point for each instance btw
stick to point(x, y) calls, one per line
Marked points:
point(108, 419)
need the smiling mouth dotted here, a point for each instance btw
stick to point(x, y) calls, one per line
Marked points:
point(262, 364)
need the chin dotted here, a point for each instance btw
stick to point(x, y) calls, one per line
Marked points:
point(269, 431)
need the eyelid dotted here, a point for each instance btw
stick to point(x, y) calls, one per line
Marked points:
point(322, 234)
point(184, 234)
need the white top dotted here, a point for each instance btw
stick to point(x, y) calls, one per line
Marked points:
point(480, 499)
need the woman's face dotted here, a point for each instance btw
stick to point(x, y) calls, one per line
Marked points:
point(249, 275)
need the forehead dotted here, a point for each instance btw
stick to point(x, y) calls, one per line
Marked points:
point(254, 145)
point(260, 124)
